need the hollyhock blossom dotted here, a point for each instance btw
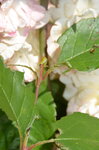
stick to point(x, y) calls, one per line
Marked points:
point(67, 13)
point(82, 92)
point(19, 41)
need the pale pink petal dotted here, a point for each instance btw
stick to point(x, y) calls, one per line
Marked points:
point(23, 13)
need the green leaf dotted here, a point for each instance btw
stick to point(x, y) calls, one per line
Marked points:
point(9, 138)
point(2, 141)
point(57, 93)
point(43, 126)
point(78, 132)
point(16, 99)
point(80, 45)
point(12, 138)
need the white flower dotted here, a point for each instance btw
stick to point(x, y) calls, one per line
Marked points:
point(16, 14)
point(27, 57)
point(68, 13)
point(19, 41)
point(82, 92)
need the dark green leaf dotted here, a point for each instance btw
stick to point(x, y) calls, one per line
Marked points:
point(57, 93)
point(9, 138)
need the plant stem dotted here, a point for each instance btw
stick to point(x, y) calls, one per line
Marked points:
point(24, 144)
point(40, 143)
point(21, 142)
point(39, 80)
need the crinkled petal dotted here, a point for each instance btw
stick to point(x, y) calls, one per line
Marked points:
point(23, 13)
point(82, 91)
point(27, 60)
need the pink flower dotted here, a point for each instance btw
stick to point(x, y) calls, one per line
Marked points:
point(19, 41)
point(16, 14)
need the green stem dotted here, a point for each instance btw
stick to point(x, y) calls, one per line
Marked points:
point(41, 143)
point(21, 143)
point(42, 41)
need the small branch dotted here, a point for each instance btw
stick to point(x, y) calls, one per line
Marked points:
point(17, 65)
point(46, 75)
point(39, 80)
point(41, 143)
point(24, 146)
